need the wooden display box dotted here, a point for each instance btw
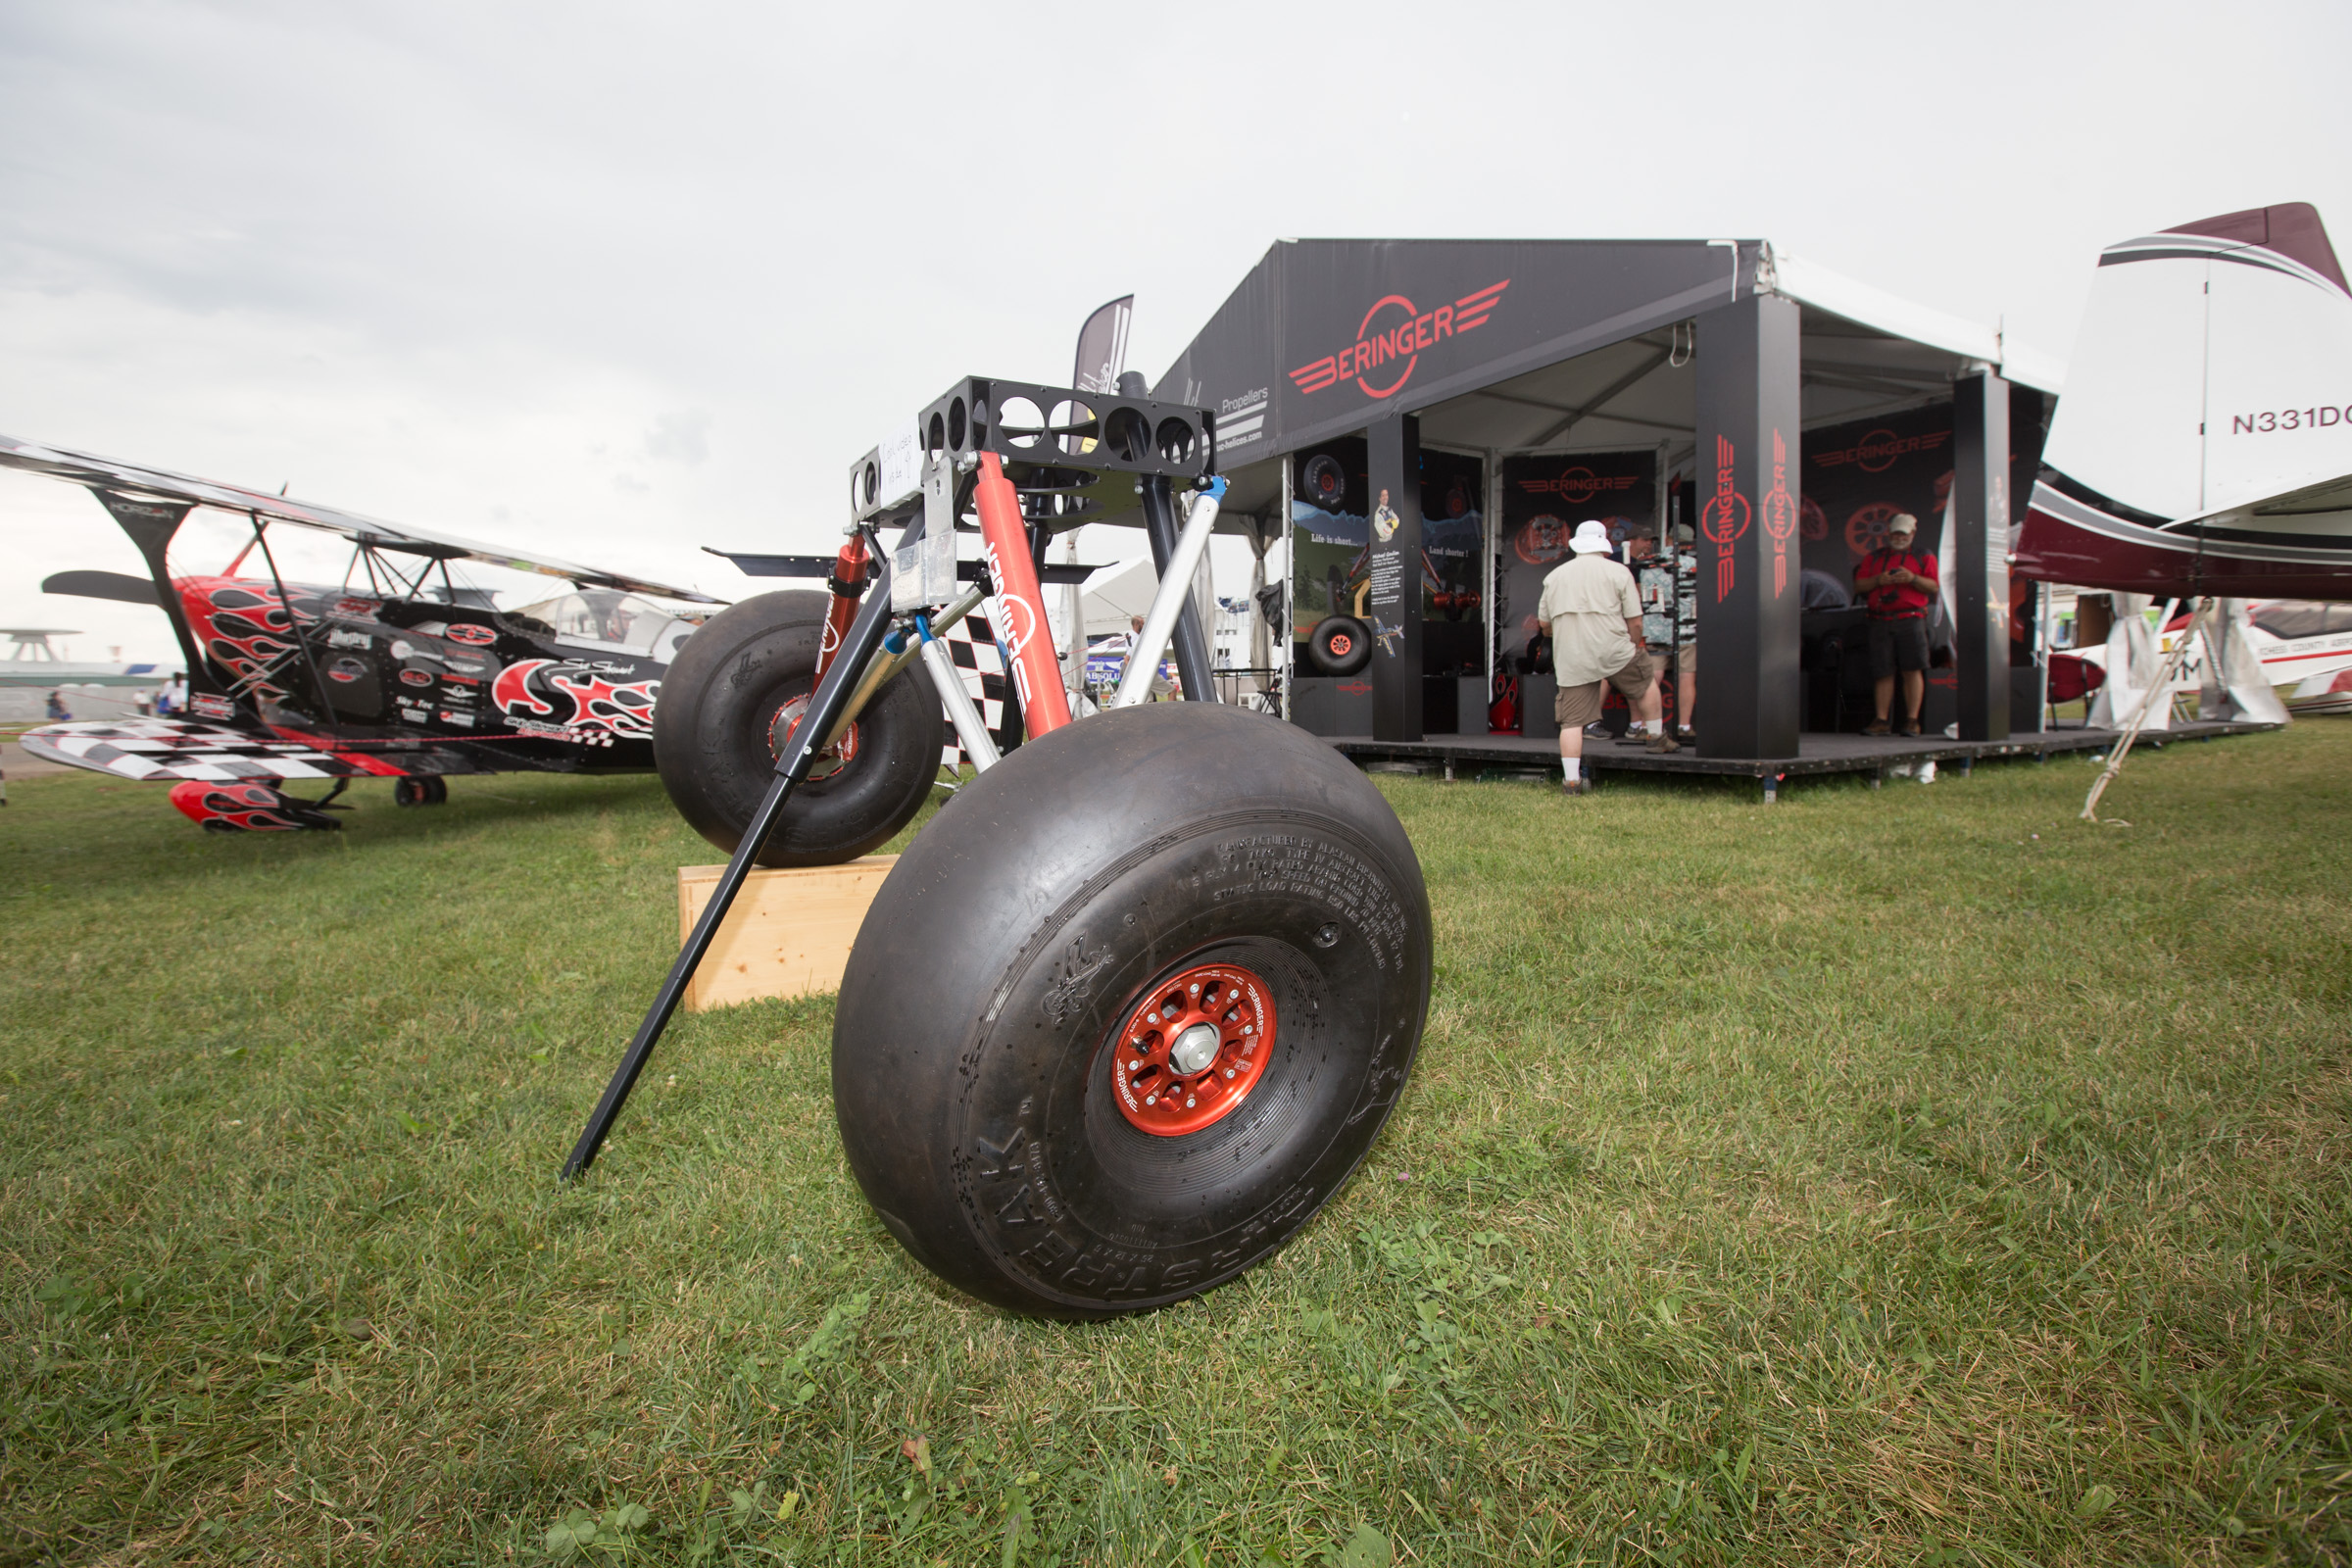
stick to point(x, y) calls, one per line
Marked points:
point(788, 934)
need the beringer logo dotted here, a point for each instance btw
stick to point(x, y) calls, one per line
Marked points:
point(1723, 519)
point(1020, 625)
point(1405, 333)
point(1580, 485)
point(1875, 452)
point(1780, 515)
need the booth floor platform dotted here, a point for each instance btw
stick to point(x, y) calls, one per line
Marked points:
point(1816, 753)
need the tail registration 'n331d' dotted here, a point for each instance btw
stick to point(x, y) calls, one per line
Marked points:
point(2203, 444)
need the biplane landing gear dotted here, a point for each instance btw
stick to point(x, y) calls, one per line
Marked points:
point(421, 789)
point(728, 706)
point(1119, 1024)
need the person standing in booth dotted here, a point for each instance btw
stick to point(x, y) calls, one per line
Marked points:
point(1899, 583)
point(1595, 613)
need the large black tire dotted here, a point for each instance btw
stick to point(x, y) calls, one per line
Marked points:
point(1017, 946)
point(714, 730)
point(1340, 645)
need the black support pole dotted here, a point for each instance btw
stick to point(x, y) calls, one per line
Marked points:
point(1980, 553)
point(1745, 491)
point(1393, 453)
point(1193, 665)
point(824, 706)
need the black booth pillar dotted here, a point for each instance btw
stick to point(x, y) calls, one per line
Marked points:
point(1980, 553)
point(1745, 491)
point(1394, 601)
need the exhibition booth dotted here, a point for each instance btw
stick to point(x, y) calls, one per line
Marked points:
point(1412, 428)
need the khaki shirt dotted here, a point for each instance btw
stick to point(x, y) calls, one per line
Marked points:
point(1586, 603)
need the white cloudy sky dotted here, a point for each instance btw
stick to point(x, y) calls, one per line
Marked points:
point(621, 282)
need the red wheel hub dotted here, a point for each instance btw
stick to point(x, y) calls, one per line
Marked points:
point(1192, 1049)
point(1341, 644)
point(830, 760)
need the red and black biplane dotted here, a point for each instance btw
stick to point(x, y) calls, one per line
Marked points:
point(398, 671)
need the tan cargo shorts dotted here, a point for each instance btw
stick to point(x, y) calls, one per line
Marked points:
point(1575, 706)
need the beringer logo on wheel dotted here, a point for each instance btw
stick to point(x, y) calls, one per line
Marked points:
point(1541, 541)
point(1723, 519)
point(1394, 329)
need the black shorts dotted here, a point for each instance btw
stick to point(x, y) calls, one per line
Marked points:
point(1898, 645)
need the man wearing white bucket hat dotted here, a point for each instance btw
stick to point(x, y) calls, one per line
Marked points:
point(1595, 613)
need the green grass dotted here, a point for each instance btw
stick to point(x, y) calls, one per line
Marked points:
point(1917, 1176)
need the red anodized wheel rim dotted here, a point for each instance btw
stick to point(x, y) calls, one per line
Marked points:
point(1342, 644)
point(829, 761)
point(1192, 1048)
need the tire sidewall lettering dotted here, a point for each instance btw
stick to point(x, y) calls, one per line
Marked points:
point(1027, 1072)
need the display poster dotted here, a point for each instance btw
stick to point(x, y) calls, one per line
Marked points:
point(1453, 566)
point(1544, 497)
point(1331, 528)
point(1452, 533)
point(1860, 473)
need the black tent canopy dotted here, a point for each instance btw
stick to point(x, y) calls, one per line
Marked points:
point(1718, 354)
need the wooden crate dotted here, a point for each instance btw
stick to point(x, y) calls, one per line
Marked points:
point(788, 934)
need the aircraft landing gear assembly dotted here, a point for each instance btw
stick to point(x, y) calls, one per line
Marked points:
point(1119, 1024)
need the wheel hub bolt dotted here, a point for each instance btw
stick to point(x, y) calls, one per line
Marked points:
point(1193, 1050)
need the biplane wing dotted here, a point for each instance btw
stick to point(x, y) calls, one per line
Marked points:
point(153, 750)
point(161, 484)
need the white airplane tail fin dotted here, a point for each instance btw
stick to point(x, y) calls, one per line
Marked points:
point(2213, 370)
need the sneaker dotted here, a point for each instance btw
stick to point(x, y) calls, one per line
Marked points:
point(1634, 737)
point(1910, 726)
point(1663, 743)
point(1876, 726)
point(1576, 786)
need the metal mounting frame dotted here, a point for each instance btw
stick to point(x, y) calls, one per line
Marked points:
point(1057, 451)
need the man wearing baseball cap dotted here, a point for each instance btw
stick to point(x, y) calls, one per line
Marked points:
point(1899, 583)
point(1595, 613)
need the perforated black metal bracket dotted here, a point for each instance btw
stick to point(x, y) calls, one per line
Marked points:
point(1064, 448)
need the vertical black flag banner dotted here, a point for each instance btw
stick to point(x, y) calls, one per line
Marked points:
point(1394, 603)
point(1748, 496)
point(1102, 347)
point(1979, 553)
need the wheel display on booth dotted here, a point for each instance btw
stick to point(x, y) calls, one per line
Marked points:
point(731, 701)
point(1339, 644)
point(1324, 482)
point(1121, 1022)
point(419, 790)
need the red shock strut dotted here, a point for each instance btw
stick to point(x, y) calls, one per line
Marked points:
point(1004, 541)
point(847, 583)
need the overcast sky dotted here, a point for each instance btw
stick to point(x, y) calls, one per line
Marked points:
point(618, 282)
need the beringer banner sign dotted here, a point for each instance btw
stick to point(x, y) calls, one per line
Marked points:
point(1545, 496)
point(1396, 339)
point(1724, 517)
point(1325, 336)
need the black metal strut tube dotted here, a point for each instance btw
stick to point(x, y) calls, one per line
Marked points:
point(1192, 644)
point(800, 753)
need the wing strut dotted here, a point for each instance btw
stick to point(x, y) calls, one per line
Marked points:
point(326, 704)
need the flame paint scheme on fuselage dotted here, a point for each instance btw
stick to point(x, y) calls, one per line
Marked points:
point(295, 681)
point(324, 683)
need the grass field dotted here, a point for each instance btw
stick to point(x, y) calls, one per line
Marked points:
point(1918, 1176)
